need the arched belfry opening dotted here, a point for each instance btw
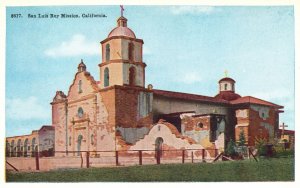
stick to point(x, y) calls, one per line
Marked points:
point(130, 51)
point(132, 76)
point(106, 77)
point(107, 52)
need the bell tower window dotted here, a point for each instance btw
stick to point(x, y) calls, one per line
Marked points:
point(132, 74)
point(225, 87)
point(106, 77)
point(107, 52)
point(130, 51)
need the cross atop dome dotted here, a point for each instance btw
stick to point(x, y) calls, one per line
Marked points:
point(122, 10)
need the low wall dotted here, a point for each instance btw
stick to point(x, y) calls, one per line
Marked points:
point(101, 159)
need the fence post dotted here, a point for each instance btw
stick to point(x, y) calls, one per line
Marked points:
point(37, 162)
point(117, 158)
point(88, 159)
point(203, 154)
point(158, 156)
point(140, 157)
point(192, 157)
point(183, 156)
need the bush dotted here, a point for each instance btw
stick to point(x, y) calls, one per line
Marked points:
point(242, 139)
point(230, 149)
point(260, 145)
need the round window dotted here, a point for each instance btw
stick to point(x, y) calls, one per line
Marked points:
point(200, 125)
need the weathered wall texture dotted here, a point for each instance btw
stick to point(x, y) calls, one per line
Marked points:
point(172, 139)
point(257, 122)
point(46, 139)
point(165, 105)
point(133, 107)
point(207, 130)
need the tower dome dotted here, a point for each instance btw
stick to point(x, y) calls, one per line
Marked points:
point(122, 29)
point(227, 89)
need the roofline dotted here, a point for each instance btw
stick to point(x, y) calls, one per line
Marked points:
point(249, 102)
point(220, 101)
point(122, 37)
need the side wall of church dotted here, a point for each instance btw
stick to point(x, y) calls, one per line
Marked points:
point(257, 122)
point(164, 105)
point(205, 131)
point(133, 112)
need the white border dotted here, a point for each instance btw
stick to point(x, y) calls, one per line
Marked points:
point(5, 3)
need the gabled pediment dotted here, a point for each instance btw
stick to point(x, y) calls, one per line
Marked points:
point(83, 84)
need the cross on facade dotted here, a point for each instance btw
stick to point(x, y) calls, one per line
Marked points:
point(122, 9)
point(283, 126)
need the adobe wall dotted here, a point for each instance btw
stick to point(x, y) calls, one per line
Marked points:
point(133, 112)
point(46, 139)
point(199, 128)
point(133, 107)
point(165, 105)
point(172, 140)
point(257, 122)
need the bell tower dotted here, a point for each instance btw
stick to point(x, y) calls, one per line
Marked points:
point(122, 58)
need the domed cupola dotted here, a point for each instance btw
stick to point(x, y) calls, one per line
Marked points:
point(227, 89)
point(121, 29)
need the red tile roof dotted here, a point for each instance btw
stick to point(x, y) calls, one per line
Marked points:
point(187, 96)
point(253, 100)
point(227, 95)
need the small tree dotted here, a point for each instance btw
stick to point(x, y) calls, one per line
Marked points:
point(230, 149)
point(260, 145)
point(242, 139)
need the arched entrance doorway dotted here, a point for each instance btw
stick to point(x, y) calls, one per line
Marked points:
point(79, 140)
point(159, 147)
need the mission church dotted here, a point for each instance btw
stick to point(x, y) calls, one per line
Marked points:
point(120, 113)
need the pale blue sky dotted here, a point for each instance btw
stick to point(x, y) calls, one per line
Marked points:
point(186, 49)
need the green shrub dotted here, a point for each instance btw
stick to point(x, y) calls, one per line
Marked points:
point(230, 149)
point(260, 145)
point(242, 139)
